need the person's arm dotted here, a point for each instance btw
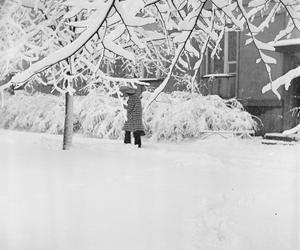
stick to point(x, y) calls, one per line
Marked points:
point(130, 104)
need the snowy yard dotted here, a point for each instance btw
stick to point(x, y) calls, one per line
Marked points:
point(202, 194)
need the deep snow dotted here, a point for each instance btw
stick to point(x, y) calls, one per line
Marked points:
point(202, 194)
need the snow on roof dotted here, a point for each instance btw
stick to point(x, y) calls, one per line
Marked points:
point(287, 42)
point(290, 46)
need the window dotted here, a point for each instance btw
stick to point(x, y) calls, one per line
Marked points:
point(226, 62)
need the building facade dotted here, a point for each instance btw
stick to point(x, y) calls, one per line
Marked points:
point(236, 74)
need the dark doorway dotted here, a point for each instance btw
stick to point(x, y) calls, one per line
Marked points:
point(295, 101)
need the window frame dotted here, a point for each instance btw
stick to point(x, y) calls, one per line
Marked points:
point(226, 62)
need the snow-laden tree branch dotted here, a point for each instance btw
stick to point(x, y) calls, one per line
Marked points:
point(284, 80)
point(190, 26)
point(92, 26)
point(121, 38)
point(253, 31)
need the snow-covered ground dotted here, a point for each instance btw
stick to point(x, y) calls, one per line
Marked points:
point(203, 194)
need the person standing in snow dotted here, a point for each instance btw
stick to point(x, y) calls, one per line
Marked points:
point(134, 121)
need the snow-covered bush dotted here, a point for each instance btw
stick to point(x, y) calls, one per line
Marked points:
point(173, 116)
point(99, 115)
point(183, 115)
point(38, 113)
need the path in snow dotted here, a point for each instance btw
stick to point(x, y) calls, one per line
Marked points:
point(210, 194)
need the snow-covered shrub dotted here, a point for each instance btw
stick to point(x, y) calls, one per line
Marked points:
point(94, 114)
point(183, 115)
point(100, 115)
point(173, 116)
point(38, 113)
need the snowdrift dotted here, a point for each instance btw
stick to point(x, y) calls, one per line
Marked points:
point(172, 117)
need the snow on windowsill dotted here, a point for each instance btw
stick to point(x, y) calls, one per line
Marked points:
point(219, 75)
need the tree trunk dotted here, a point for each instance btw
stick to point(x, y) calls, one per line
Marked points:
point(68, 127)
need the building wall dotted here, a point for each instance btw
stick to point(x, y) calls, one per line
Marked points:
point(252, 77)
point(222, 86)
point(272, 114)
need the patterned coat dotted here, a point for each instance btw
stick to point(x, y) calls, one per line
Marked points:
point(134, 114)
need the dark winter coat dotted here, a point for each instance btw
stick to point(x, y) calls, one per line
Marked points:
point(134, 114)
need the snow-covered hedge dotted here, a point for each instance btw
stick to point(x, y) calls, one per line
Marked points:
point(38, 113)
point(172, 117)
point(183, 115)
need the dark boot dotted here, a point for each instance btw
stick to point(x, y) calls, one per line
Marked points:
point(127, 138)
point(137, 139)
